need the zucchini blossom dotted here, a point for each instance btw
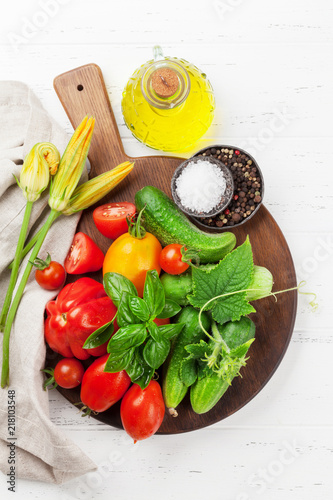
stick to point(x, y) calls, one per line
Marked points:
point(93, 190)
point(71, 166)
point(41, 162)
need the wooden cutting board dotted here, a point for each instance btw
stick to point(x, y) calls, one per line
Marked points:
point(82, 91)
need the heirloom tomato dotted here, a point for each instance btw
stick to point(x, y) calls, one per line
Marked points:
point(80, 308)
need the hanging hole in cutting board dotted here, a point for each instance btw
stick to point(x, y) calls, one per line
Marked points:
point(80, 87)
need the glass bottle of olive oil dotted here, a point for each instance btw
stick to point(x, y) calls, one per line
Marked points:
point(168, 103)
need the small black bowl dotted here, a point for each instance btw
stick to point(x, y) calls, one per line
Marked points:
point(225, 198)
point(261, 189)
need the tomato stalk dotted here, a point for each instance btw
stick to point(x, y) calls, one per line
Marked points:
point(16, 301)
point(16, 265)
point(134, 226)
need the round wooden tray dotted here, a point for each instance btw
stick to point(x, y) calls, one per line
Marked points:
point(274, 320)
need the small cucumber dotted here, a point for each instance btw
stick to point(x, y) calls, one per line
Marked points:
point(177, 287)
point(174, 390)
point(205, 393)
point(169, 224)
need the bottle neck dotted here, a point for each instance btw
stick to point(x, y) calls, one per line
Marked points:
point(163, 78)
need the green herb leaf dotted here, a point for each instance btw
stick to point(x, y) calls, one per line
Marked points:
point(125, 315)
point(199, 350)
point(153, 293)
point(170, 331)
point(155, 353)
point(127, 337)
point(171, 308)
point(136, 367)
point(188, 371)
point(98, 337)
point(139, 308)
point(115, 284)
point(154, 331)
point(146, 377)
point(233, 274)
point(241, 350)
point(118, 361)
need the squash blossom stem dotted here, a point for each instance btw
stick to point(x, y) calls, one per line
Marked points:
point(27, 248)
point(16, 264)
point(16, 301)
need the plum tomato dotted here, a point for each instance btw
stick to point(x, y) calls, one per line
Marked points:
point(110, 219)
point(142, 410)
point(171, 259)
point(84, 255)
point(99, 389)
point(50, 275)
point(68, 373)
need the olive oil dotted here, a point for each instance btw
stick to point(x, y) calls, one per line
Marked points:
point(168, 104)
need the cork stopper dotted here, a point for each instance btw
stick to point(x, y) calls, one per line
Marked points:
point(164, 82)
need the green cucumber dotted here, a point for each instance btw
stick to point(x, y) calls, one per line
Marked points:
point(169, 224)
point(174, 389)
point(205, 393)
point(177, 287)
point(237, 337)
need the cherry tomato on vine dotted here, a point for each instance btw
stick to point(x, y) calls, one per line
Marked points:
point(50, 275)
point(142, 410)
point(110, 219)
point(84, 255)
point(68, 373)
point(171, 259)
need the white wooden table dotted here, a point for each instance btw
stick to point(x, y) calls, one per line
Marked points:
point(270, 64)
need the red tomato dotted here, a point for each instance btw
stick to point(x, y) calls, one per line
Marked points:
point(52, 277)
point(110, 219)
point(68, 373)
point(159, 322)
point(84, 255)
point(142, 410)
point(171, 259)
point(101, 390)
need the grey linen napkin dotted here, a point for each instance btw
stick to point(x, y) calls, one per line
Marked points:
point(43, 452)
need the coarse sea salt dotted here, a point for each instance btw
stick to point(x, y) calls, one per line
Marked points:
point(200, 186)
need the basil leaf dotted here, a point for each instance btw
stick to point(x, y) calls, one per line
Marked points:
point(139, 308)
point(188, 371)
point(153, 293)
point(115, 284)
point(169, 331)
point(136, 367)
point(118, 361)
point(146, 377)
point(171, 308)
point(155, 353)
point(154, 331)
point(98, 337)
point(125, 315)
point(127, 337)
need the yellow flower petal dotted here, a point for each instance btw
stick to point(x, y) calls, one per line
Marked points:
point(95, 189)
point(71, 165)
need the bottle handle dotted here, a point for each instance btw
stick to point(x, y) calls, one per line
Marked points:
point(158, 53)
